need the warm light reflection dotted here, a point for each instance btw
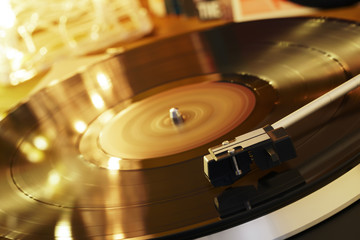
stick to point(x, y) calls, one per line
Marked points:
point(54, 82)
point(97, 101)
point(107, 116)
point(54, 178)
point(119, 236)
point(63, 230)
point(20, 76)
point(11, 58)
point(114, 163)
point(41, 142)
point(2, 116)
point(16, 56)
point(53, 184)
point(80, 126)
point(43, 51)
point(26, 36)
point(32, 153)
point(7, 15)
point(103, 81)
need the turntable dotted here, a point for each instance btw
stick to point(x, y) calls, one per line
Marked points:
point(116, 151)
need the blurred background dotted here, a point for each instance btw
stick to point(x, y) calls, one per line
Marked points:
point(42, 42)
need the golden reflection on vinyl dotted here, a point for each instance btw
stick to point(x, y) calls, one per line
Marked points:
point(145, 130)
point(98, 156)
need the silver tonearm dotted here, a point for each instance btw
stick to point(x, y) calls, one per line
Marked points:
point(266, 147)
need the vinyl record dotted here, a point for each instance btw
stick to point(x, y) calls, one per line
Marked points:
point(98, 155)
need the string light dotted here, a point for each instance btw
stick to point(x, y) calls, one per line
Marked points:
point(41, 32)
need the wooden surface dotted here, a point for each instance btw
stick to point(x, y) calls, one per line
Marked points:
point(164, 27)
point(173, 25)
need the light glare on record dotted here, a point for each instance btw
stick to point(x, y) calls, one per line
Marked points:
point(32, 153)
point(63, 230)
point(80, 126)
point(97, 101)
point(119, 236)
point(54, 177)
point(103, 81)
point(41, 142)
point(114, 163)
point(106, 116)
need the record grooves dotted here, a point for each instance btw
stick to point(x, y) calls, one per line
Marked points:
point(64, 177)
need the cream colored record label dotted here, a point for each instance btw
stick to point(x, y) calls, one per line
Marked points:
point(145, 129)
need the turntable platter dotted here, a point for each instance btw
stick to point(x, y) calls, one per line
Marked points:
point(97, 156)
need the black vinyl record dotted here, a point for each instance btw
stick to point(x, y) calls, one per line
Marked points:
point(326, 4)
point(97, 156)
